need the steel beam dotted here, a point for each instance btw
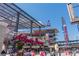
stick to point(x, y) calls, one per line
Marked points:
point(40, 31)
point(31, 28)
point(28, 16)
point(17, 22)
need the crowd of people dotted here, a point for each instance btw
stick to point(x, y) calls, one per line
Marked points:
point(14, 47)
point(22, 52)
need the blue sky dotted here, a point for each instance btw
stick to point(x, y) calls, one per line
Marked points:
point(53, 12)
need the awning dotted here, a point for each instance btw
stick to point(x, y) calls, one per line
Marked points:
point(8, 14)
point(26, 40)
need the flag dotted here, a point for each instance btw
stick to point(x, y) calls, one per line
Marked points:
point(48, 24)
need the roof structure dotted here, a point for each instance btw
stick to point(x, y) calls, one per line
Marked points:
point(48, 30)
point(9, 14)
point(71, 43)
point(44, 31)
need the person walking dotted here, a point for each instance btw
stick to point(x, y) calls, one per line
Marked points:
point(42, 53)
point(27, 53)
point(3, 52)
point(32, 53)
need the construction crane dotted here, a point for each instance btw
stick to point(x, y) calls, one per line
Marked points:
point(76, 6)
point(78, 22)
point(73, 18)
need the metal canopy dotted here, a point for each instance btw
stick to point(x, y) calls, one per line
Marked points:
point(8, 13)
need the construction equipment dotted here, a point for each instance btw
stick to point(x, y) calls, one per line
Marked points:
point(73, 18)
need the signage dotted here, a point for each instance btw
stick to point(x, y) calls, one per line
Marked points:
point(35, 46)
point(26, 46)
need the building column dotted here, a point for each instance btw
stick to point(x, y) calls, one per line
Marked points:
point(40, 31)
point(31, 28)
point(17, 22)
